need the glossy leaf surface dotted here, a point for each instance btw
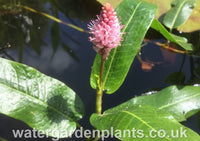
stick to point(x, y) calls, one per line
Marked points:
point(181, 102)
point(192, 24)
point(137, 16)
point(143, 123)
point(171, 37)
point(40, 101)
point(179, 13)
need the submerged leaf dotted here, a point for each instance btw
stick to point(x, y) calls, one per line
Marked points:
point(55, 36)
point(177, 78)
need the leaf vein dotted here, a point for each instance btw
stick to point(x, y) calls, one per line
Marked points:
point(179, 101)
point(115, 50)
point(179, 9)
point(40, 101)
point(141, 120)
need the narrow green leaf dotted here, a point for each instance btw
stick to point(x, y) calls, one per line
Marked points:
point(55, 36)
point(35, 41)
point(2, 139)
point(181, 41)
point(179, 12)
point(142, 123)
point(52, 18)
point(177, 100)
point(137, 16)
point(40, 101)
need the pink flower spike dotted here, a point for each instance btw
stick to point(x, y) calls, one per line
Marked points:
point(106, 31)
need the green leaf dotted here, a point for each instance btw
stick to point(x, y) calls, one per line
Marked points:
point(2, 139)
point(52, 18)
point(55, 36)
point(192, 24)
point(40, 101)
point(35, 41)
point(142, 123)
point(137, 16)
point(177, 100)
point(179, 13)
point(171, 37)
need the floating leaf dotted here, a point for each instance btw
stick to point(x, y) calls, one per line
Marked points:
point(177, 100)
point(179, 13)
point(171, 37)
point(114, 3)
point(35, 41)
point(163, 6)
point(137, 16)
point(142, 123)
point(40, 101)
point(192, 24)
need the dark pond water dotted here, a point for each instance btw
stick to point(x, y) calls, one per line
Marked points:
point(66, 54)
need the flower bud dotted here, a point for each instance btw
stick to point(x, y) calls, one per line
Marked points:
point(106, 31)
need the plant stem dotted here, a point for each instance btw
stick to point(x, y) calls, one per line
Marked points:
point(52, 18)
point(100, 89)
point(2, 139)
point(96, 138)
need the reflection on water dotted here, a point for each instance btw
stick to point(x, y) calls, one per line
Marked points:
point(65, 53)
